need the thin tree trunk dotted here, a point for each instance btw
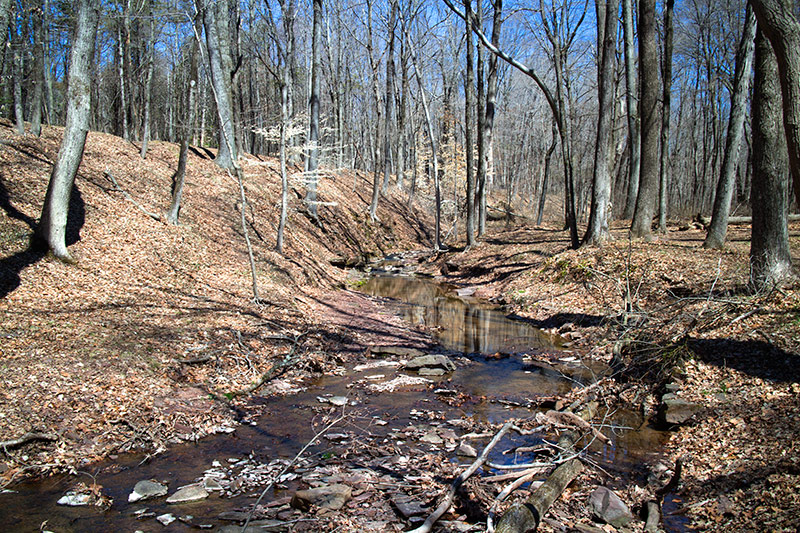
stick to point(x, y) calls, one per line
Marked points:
point(5, 19)
point(38, 72)
point(491, 99)
point(648, 81)
point(633, 117)
point(376, 183)
point(123, 109)
point(147, 88)
point(468, 114)
point(718, 229)
point(53, 222)
point(313, 134)
point(480, 197)
point(18, 71)
point(770, 260)
point(546, 177)
point(665, 116)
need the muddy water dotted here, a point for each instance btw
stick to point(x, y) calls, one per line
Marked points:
point(496, 388)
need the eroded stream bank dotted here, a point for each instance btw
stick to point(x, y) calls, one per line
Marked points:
point(404, 434)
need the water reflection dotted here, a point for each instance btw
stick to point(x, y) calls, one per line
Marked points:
point(460, 325)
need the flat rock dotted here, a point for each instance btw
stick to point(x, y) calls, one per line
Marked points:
point(407, 507)
point(189, 493)
point(678, 411)
point(75, 499)
point(431, 361)
point(166, 519)
point(609, 508)
point(397, 351)
point(425, 371)
point(432, 437)
point(145, 489)
point(331, 497)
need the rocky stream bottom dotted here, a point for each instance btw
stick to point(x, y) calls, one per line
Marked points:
point(376, 446)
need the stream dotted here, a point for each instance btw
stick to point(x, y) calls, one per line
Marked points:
point(493, 374)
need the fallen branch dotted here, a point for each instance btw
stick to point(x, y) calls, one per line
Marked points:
point(111, 177)
point(448, 500)
point(27, 437)
point(571, 419)
point(507, 490)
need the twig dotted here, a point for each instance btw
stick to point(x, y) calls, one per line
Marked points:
point(288, 466)
point(448, 500)
point(110, 176)
point(507, 490)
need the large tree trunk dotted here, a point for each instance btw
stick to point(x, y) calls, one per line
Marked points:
point(53, 222)
point(631, 99)
point(38, 72)
point(666, 98)
point(123, 93)
point(601, 183)
point(313, 133)
point(778, 20)
point(373, 63)
point(216, 27)
point(491, 99)
point(17, 73)
point(770, 261)
point(648, 82)
point(388, 98)
point(480, 193)
point(5, 18)
point(468, 110)
point(741, 88)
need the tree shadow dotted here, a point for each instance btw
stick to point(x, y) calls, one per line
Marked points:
point(560, 319)
point(752, 357)
point(12, 266)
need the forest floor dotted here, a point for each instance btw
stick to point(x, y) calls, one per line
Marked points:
point(154, 337)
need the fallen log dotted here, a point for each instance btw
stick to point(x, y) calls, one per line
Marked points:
point(706, 221)
point(28, 437)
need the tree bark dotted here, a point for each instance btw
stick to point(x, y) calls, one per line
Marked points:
point(313, 133)
point(546, 177)
point(480, 193)
point(38, 71)
point(631, 105)
point(666, 75)
point(648, 82)
point(216, 31)
point(53, 222)
point(148, 82)
point(376, 184)
point(17, 73)
point(770, 260)
point(468, 110)
point(778, 20)
point(718, 229)
point(389, 97)
point(5, 19)
point(491, 100)
point(597, 232)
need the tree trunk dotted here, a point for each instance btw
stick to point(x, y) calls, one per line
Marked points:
point(388, 100)
point(468, 109)
point(5, 19)
point(778, 20)
point(147, 89)
point(480, 195)
point(186, 132)
point(216, 24)
point(17, 73)
point(770, 260)
point(546, 177)
point(373, 64)
point(633, 117)
point(123, 97)
point(491, 99)
point(38, 72)
point(53, 222)
point(718, 229)
point(648, 82)
point(313, 133)
point(666, 75)
point(601, 183)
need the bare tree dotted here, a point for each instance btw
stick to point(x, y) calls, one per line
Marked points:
point(469, 104)
point(631, 98)
point(666, 104)
point(313, 133)
point(53, 222)
point(648, 83)
point(601, 182)
point(38, 70)
point(770, 260)
point(148, 84)
point(718, 228)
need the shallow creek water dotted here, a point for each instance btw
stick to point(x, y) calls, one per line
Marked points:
point(468, 331)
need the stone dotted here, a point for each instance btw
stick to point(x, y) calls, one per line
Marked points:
point(330, 497)
point(432, 437)
point(338, 400)
point(466, 450)
point(431, 361)
point(407, 506)
point(145, 489)
point(396, 351)
point(609, 508)
point(189, 493)
point(425, 371)
point(166, 519)
point(211, 484)
point(75, 499)
point(677, 411)
point(255, 526)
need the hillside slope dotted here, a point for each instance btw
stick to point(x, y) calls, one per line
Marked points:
point(91, 353)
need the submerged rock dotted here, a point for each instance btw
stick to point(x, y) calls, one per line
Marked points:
point(166, 519)
point(332, 497)
point(75, 499)
point(431, 361)
point(189, 493)
point(609, 508)
point(396, 351)
point(145, 489)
